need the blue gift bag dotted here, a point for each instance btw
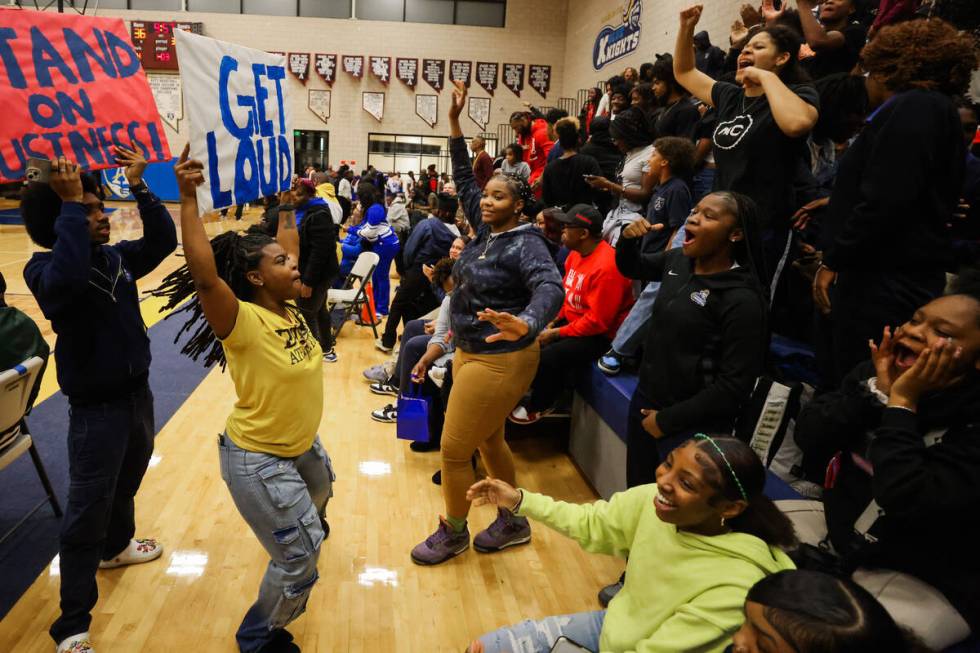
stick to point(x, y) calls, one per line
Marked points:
point(413, 415)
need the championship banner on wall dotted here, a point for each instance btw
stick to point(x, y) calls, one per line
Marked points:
point(486, 76)
point(166, 93)
point(539, 78)
point(318, 101)
point(326, 67)
point(354, 65)
point(478, 109)
point(407, 70)
point(299, 65)
point(381, 68)
point(240, 123)
point(74, 87)
point(460, 71)
point(434, 73)
point(514, 77)
point(374, 103)
point(427, 108)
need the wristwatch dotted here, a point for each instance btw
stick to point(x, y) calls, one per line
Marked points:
point(139, 187)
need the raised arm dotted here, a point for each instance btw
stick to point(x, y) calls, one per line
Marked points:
point(817, 37)
point(466, 187)
point(286, 234)
point(687, 75)
point(218, 302)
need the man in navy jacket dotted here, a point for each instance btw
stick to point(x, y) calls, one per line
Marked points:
point(87, 289)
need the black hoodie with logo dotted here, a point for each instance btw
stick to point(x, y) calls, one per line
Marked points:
point(707, 341)
point(923, 471)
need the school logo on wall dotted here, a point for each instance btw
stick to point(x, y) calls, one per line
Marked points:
point(614, 43)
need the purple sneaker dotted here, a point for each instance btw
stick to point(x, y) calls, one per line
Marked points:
point(506, 530)
point(441, 545)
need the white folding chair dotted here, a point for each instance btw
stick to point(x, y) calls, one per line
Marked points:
point(15, 393)
point(354, 294)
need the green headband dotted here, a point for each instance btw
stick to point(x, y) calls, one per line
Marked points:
point(702, 436)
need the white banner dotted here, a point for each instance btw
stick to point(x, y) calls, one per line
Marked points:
point(240, 123)
point(166, 93)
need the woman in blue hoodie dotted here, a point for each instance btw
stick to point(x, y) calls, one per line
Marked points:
point(507, 290)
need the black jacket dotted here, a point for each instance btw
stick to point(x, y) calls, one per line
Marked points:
point(89, 294)
point(601, 148)
point(707, 340)
point(897, 187)
point(930, 494)
point(317, 246)
point(513, 273)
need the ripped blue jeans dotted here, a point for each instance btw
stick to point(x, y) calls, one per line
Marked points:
point(583, 628)
point(284, 501)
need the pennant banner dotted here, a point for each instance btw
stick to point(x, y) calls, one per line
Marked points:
point(478, 109)
point(299, 65)
point(407, 71)
point(374, 103)
point(381, 68)
point(354, 65)
point(460, 71)
point(73, 87)
point(278, 53)
point(427, 108)
point(514, 77)
point(486, 76)
point(326, 67)
point(240, 123)
point(434, 72)
point(539, 78)
point(319, 103)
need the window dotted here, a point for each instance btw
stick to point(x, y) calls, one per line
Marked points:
point(482, 13)
point(403, 152)
point(311, 148)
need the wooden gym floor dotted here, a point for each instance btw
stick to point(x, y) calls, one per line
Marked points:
point(370, 596)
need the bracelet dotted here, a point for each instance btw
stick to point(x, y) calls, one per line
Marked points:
point(517, 506)
point(139, 187)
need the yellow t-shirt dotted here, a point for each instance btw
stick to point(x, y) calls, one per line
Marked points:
point(277, 367)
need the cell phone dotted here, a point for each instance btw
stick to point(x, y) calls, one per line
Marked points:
point(565, 645)
point(38, 171)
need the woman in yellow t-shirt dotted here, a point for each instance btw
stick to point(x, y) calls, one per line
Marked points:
point(280, 477)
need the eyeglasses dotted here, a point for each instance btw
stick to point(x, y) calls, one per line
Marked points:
point(92, 207)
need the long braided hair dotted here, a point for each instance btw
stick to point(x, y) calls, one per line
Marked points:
point(235, 255)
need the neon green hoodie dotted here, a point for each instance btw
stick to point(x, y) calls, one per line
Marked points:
point(683, 592)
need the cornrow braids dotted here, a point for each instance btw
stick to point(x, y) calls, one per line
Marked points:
point(235, 255)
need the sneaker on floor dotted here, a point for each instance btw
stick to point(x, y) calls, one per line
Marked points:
point(79, 643)
point(441, 545)
point(381, 346)
point(138, 551)
point(281, 642)
point(610, 363)
point(388, 414)
point(523, 416)
point(438, 375)
point(424, 447)
point(609, 592)
point(384, 388)
point(330, 356)
point(506, 530)
point(377, 373)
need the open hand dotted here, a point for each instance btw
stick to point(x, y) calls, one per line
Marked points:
point(66, 180)
point(640, 228)
point(769, 11)
point(510, 327)
point(458, 101)
point(935, 368)
point(189, 173)
point(495, 491)
point(750, 15)
point(738, 33)
point(883, 357)
point(134, 161)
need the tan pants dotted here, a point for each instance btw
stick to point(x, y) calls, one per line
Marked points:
point(912, 603)
point(486, 387)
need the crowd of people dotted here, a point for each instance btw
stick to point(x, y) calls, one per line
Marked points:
point(818, 181)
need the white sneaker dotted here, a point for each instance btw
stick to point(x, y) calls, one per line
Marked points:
point(79, 643)
point(381, 346)
point(138, 551)
point(438, 375)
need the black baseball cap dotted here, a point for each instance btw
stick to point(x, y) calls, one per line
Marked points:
point(583, 216)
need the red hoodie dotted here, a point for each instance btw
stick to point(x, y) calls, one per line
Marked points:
point(597, 296)
point(536, 148)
